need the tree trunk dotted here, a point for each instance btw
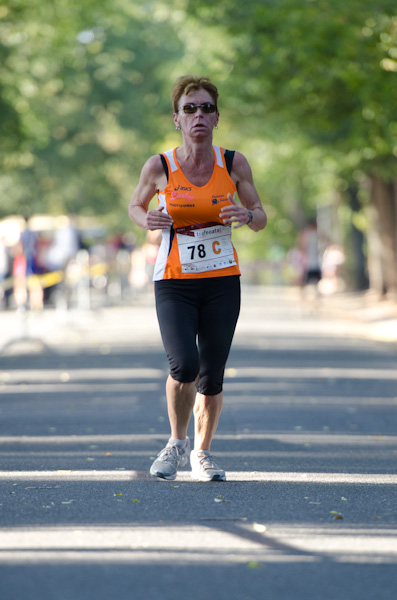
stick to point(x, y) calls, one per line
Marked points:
point(359, 274)
point(384, 203)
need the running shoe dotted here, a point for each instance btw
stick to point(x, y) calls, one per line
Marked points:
point(170, 459)
point(204, 467)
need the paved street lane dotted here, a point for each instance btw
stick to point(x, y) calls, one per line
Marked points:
point(308, 439)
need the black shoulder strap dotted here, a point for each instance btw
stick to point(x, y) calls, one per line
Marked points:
point(165, 166)
point(229, 155)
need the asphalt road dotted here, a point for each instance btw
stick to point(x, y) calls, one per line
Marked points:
point(307, 437)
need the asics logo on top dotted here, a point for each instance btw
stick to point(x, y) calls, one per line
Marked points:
point(181, 188)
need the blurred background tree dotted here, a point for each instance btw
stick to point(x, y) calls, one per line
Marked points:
point(306, 92)
point(328, 70)
point(82, 88)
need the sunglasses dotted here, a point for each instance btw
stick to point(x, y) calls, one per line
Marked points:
point(206, 108)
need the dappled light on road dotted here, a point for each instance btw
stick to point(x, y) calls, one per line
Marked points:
point(233, 542)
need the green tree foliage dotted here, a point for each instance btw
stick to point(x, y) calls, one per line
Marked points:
point(328, 65)
point(330, 69)
point(83, 101)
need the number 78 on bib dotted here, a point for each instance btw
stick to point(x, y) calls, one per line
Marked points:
point(205, 248)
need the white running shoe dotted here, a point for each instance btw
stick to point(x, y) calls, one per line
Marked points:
point(170, 459)
point(204, 467)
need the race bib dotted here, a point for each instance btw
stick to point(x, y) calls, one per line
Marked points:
point(205, 247)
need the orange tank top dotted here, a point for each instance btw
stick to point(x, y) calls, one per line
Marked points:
point(198, 245)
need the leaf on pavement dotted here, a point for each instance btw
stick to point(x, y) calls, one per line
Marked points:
point(337, 515)
point(254, 564)
point(220, 498)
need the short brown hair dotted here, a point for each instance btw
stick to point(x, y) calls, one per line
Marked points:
point(188, 83)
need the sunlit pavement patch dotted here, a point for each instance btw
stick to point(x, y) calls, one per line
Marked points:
point(240, 543)
point(258, 476)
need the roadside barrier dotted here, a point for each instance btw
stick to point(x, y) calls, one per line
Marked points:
point(46, 280)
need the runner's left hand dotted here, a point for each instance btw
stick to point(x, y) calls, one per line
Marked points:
point(234, 214)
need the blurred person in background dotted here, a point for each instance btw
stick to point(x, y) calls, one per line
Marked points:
point(65, 246)
point(332, 267)
point(4, 268)
point(28, 292)
point(310, 253)
point(150, 251)
point(197, 277)
point(3, 259)
point(20, 289)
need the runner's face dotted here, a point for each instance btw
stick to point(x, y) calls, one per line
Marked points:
point(198, 124)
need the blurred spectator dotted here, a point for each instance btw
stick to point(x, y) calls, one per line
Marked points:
point(150, 251)
point(143, 260)
point(3, 259)
point(295, 266)
point(4, 269)
point(28, 291)
point(65, 246)
point(138, 278)
point(29, 246)
point(333, 261)
point(310, 255)
point(20, 279)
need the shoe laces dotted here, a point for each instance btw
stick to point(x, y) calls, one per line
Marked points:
point(170, 454)
point(207, 461)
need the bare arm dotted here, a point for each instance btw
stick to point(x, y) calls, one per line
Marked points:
point(238, 214)
point(151, 180)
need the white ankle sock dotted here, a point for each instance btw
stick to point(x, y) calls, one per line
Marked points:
point(176, 442)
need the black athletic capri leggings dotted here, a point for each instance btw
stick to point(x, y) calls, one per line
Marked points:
point(197, 319)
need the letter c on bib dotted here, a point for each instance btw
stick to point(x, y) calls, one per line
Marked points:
point(215, 247)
